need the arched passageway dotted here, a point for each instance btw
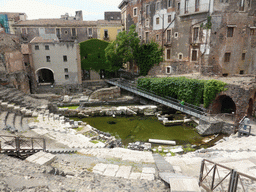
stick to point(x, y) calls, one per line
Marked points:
point(225, 104)
point(45, 76)
point(250, 108)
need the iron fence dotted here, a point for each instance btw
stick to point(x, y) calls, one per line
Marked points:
point(20, 145)
point(216, 177)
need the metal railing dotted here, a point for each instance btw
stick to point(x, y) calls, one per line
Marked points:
point(21, 145)
point(216, 177)
point(168, 101)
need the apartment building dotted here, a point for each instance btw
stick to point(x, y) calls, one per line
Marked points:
point(204, 36)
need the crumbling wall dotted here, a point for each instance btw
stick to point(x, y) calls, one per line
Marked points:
point(13, 69)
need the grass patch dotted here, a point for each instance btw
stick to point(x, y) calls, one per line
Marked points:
point(70, 107)
point(79, 129)
point(94, 141)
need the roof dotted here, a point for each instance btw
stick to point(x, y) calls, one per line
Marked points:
point(117, 22)
point(123, 3)
point(55, 23)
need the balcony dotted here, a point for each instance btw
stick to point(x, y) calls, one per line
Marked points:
point(106, 38)
point(168, 43)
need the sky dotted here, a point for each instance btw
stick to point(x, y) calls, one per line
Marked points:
point(35, 9)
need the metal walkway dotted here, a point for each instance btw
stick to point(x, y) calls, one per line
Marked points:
point(189, 109)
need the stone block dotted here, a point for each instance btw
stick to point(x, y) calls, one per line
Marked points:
point(184, 185)
point(41, 158)
point(149, 177)
point(99, 168)
point(124, 171)
point(148, 170)
point(111, 170)
point(135, 175)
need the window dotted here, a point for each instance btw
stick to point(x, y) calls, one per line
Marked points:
point(90, 31)
point(65, 58)
point(197, 4)
point(241, 5)
point(243, 56)
point(178, 7)
point(66, 32)
point(118, 31)
point(36, 47)
point(168, 69)
point(241, 72)
point(47, 47)
point(168, 54)
point(230, 32)
point(168, 35)
point(169, 18)
point(147, 37)
point(147, 23)
point(58, 32)
point(194, 55)
point(180, 56)
point(158, 6)
point(252, 31)
point(157, 20)
point(157, 37)
point(186, 6)
point(24, 31)
point(195, 33)
point(73, 32)
point(135, 12)
point(66, 70)
point(66, 76)
point(48, 59)
point(176, 35)
point(105, 33)
point(227, 57)
point(170, 3)
point(147, 10)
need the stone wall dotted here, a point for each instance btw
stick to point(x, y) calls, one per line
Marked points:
point(240, 94)
point(209, 128)
point(105, 94)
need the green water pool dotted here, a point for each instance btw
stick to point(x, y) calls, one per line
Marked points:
point(141, 128)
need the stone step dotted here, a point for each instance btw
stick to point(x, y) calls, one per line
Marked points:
point(3, 117)
point(25, 126)
point(184, 184)
point(10, 120)
point(18, 123)
point(161, 164)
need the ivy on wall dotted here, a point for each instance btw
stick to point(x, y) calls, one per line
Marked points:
point(93, 54)
point(192, 91)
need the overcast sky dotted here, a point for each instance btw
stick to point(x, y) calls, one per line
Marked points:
point(35, 9)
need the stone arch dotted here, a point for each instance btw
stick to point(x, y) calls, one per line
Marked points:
point(224, 104)
point(250, 107)
point(45, 75)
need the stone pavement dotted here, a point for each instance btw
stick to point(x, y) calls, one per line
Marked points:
point(148, 173)
point(120, 153)
point(233, 152)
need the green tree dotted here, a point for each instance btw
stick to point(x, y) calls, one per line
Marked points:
point(127, 48)
point(122, 49)
point(147, 56)
point(93, 54)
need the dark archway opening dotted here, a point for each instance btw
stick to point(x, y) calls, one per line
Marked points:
point(249, 111)
point(45, 76)
point(227, 104)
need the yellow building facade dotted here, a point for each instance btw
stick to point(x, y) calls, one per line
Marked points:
point(108, 30)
